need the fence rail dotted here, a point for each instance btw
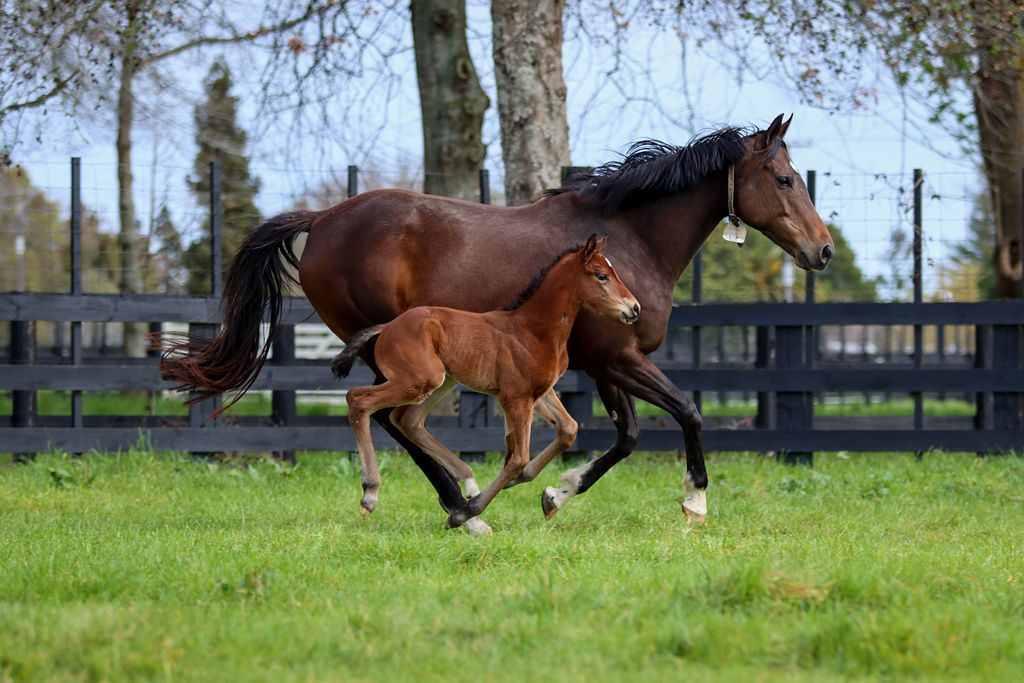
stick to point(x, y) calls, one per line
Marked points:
point(782, 389)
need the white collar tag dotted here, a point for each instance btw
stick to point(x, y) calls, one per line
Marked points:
point(737, 234)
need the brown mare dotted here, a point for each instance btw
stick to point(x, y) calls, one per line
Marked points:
point(516, 354)
point(378, 254)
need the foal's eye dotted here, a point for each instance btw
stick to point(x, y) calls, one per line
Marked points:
point(602, 277)
point(784, 181)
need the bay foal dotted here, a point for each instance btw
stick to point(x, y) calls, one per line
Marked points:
point(516, 354)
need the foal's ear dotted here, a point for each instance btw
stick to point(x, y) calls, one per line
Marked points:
point(592, 246)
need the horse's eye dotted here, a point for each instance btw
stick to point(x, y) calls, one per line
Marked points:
point(784, 181)
point(602, 277)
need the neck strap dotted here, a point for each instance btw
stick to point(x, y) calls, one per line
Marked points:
point(736, 232)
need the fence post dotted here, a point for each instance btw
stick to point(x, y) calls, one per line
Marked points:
point(197, 412)
point(918, 331)
point(23, 402)
point(485, 186)
point(77, 420)
point(353, 181)
point(762, 359)
point(283, 410)
point(216, 259)
point(982, 399)
point(791, 413)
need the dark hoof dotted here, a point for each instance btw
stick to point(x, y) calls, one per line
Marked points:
point(455, 520)
point(547, 503)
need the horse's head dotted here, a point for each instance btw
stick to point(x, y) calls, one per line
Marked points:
point(602, 290)
point(771, 196)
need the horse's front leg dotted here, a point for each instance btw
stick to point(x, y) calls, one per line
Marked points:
point(635, 374)
point(518, 414)
point(621, 408)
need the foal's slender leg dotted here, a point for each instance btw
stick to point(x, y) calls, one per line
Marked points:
point(449, 495)
point(634, 373)
point(551, 409)
point(410, 419)
point(518, 414)
point(363, 402)
point(622, 409)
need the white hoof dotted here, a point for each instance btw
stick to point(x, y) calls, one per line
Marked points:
point(471, 487)
point(695, 506)
point(478, 527)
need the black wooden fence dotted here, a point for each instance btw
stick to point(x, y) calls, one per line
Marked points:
point(785, 374)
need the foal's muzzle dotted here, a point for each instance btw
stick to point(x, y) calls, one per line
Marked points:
point(630, 313)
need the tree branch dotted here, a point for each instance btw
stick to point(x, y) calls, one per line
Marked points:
point(239, 37)
point(54, 91)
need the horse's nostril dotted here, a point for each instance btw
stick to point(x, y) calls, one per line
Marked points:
point(826, 254)
point(636, 309)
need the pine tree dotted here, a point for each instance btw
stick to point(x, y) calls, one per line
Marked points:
point(220, 139)
point(167, 264)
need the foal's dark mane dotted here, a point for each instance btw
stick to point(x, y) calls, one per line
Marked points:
point(654, 169)
point(536, 281)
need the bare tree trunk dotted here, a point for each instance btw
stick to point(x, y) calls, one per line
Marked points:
point(531, 95)
point(128, 239)
point(998, 104)
point(451, 100)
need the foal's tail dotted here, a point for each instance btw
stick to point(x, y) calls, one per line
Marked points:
point(232, 360)
point(343, 362)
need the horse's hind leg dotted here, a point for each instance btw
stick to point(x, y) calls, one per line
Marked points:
point(410, 419)
point(362, 403)
point(551, 409)
point(358, 416)
point(449, 495)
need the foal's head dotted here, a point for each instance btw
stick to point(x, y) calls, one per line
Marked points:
point(600, 288)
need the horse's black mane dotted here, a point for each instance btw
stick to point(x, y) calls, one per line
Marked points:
point(653, 169)
point(535, 283)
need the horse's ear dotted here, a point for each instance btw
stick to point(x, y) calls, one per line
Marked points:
point(775, 130)
point(785, 126)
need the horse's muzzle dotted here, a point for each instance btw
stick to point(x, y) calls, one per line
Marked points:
point(816, 261)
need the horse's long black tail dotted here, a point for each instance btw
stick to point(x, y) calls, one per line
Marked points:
point(343, 362)
point(253, 286)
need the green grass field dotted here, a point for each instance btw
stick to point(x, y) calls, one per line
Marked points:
point(151, 566)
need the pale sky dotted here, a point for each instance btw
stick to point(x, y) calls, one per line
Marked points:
point(867, 153)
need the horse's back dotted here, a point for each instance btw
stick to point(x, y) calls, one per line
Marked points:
point(371, 257)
